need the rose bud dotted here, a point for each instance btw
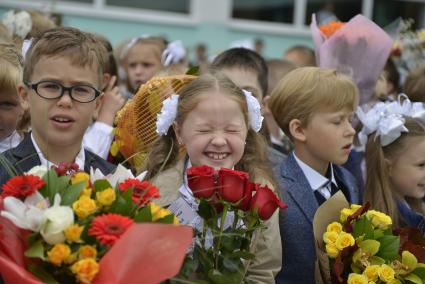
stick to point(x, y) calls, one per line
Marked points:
point(201, 181)
point(265, 202)
point(233, 186)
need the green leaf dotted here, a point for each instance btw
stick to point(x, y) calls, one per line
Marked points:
point(420, 271)
point(62, 183)
point(370, 246)
point(193, 71)
point(205, 210)
point(232, 264)
point(36, 251)
point(413, 278)
point(389, 247)
point(101, 184)
point(51, 188)
point(124, 204)
point(72, 193)
point(42, 274)
point(363, 227)
point(144, 215)
point(375, 260)
point(33, 238)
point(378, 234)
point(409, 260)
point(169, 219)
point(231, 242)
point(242, 254)
point(217, 277)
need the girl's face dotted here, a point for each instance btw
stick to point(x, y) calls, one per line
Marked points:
point(10, 112)
point(143, 61)
point(407, 171)
point(214, 132)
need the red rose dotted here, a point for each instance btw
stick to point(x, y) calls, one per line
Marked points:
point(233, 186)
point(265, 202)
point(201, 181)
point(143, 191)
point(244, 205)
point(22, 186)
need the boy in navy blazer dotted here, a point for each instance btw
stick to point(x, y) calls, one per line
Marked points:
point(314, 107)
point(61, 82)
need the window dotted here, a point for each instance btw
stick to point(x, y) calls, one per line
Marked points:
point(280, 11)
point(80, 1)
point(387, 11)
point(176, 6)
point(342, 10)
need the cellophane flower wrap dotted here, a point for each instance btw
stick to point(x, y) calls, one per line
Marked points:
point(232, 209)
point(358, 48)
point(66, 226)
point(355, 244)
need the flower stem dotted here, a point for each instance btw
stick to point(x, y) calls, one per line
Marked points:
point(235, 219)
point(223, 219)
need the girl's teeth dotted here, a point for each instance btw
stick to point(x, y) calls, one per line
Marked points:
point(217, 156)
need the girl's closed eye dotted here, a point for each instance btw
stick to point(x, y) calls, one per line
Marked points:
point(7, 105)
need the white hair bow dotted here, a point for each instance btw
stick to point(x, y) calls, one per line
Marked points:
point(387, 119)
point(169, 113)
point(19, 23)
point(174, 53)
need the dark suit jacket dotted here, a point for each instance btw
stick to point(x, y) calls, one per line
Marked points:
point(296, 228)
point(24, 157)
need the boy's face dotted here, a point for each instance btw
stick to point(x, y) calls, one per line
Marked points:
point(60, 122)
point(245, 79)
point(10, 112)
point(328, 137)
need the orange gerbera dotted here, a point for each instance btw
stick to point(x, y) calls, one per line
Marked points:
point(22, 186)
point(108, 228)
point(329, 29)
point(143, 191)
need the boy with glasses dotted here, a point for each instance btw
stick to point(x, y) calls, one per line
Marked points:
point(62, 78)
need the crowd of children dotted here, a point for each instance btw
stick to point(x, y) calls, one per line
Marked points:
point(61, 89)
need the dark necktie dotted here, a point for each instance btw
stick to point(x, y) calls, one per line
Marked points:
point(320, 198)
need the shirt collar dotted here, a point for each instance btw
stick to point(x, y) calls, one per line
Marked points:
point(79, 160)
point(314, 178)
point(10, 142)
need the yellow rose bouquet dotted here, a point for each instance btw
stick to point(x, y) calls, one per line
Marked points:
point(66, 226)
point(357, 245)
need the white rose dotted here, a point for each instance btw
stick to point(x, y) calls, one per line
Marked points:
point(39, 171)
point(57, 219)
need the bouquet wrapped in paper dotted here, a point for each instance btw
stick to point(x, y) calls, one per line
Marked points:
point(357, 245)
point(66, 226)
point(358, 48)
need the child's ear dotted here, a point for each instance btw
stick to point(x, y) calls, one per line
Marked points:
point(98, 105)
point(297, 130)
point(176, 129)
point(389, 166)
point(106, 78)
point(23, 93)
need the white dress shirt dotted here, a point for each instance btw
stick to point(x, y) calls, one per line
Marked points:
point(10, 142)
point(98, 139)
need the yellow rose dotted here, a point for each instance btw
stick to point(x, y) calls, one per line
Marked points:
point(58, 254)
point(386, 273)
point(87, 252)
point(71, 258)
point(372, 272)
point(80, 177)
point(332, 251)
point(346, 212)
point(159, 212)
point(334, 227)
point(344, 240)
point(379, 219)
point(330, 237)
point(355, 278)
point(84, 206)
point(85, 270)
point(86, 192)
point(73, 233)
point(106, 197)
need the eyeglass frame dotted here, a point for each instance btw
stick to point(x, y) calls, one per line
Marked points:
point(34, 86)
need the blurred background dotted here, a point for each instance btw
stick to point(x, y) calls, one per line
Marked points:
point(270, 26)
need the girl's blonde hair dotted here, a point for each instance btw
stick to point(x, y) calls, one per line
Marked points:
point(308, 90)
point(378, 190)
point(165, 151)
point(10, 67)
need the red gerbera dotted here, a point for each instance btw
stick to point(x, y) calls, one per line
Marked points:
point(22, 186)
point(143, 191)
point(108, 228)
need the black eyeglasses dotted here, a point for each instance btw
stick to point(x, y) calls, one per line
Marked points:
point(53, 90)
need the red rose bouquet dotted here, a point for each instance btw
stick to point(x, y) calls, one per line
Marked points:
point(232, 209)
point(66, 226)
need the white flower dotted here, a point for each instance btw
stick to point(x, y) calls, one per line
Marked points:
point(56, 219)
point(39, 171)
point(121, 173)
point(168, 114)
point(28, 214)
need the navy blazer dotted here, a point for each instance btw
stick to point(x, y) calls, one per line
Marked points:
point(296, 222)
point(24, 157)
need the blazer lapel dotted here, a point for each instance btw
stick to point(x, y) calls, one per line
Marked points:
point(299, 188)
point(25, 155)
point(352, 189)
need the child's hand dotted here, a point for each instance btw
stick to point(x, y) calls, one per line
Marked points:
point(112, 102)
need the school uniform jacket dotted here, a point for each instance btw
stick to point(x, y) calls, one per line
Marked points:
point(266, 245)
point(24, 157)
point(296, 222)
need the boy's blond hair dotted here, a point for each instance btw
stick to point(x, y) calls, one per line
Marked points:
point(309, 90)
point(10, 67)
point(414, 87)
point(82, 48)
